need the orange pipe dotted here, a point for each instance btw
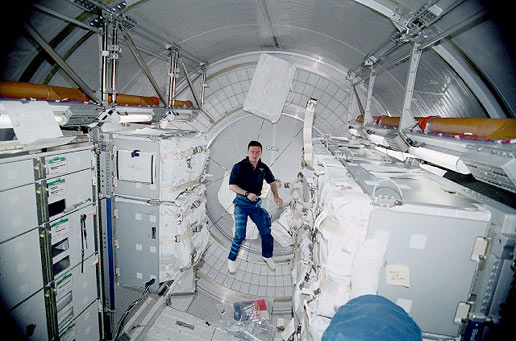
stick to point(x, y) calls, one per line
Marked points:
point(386, 121)
point(11, 89)
point(134, 100)
point(488, 128)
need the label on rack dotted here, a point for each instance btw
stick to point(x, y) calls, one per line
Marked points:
point(63, 286)
point(69, 334)
point(56, 166)
point(59, 230)
point(56, 190)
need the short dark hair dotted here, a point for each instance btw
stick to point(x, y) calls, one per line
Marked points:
point(254, 144)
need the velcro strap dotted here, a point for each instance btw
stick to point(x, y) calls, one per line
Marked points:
point(181, 188)
point(190, 231)
point(184, 154)
point(184, 236)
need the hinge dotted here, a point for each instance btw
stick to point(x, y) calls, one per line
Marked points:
point(479, 249)
point(115, 182)
point(115, 213)
point(116, 243)
point(117, 272)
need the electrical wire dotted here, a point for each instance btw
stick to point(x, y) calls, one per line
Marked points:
point(131, 306)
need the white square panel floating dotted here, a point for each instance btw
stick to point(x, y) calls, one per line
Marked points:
point(269, 87)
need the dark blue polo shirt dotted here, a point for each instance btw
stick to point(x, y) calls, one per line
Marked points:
point(250, 179)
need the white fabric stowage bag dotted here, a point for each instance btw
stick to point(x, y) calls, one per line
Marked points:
point(182, 162)
point(183, 235)
point(281, 229)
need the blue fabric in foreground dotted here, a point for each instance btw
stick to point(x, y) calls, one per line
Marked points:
point(371, 317)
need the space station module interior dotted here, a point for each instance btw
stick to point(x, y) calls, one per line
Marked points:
point(116, 217)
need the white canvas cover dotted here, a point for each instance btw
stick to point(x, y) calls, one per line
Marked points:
point(349, 264)
point(269, 87)
point(283, 230)
point(182, 162)
point(178, 240)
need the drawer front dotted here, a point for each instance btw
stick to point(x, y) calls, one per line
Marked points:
point(64, 163)
point(20, 268)
point(18, 211)
point(31, 318)
point(15, 174)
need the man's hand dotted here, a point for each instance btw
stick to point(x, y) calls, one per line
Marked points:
point(252, 197)
point(278, 201)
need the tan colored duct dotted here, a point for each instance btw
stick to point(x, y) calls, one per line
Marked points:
point(11, 89)
point(487, 128)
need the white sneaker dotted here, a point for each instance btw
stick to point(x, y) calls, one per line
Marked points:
point(270, 263)
point(232, 266)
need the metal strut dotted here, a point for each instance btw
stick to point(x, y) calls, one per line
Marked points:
point(141, 63)
point(60, 61)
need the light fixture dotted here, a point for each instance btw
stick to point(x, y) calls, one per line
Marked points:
point(126, 115)
point(5, 121)
point(445, 160)
point(134, 118)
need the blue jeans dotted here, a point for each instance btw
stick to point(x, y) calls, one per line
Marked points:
point(246, 208)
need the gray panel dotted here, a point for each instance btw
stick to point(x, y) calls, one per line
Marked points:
point(16, 174)
point(74, 188)
point(31, 316)
point(88, 325)
point(440, 268)
point(84, 327)
point(18, 211)
point(63, 163)
point(136, 235)
point(66, 239)
point(20, 268)
point(136, 189)
point(76, 289)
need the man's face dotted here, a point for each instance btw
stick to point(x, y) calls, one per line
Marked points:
point(254, 153)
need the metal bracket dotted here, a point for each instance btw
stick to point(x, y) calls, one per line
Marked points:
point(386, 193)
point(502, 246)
point(406, 120)
point(87, 5)
point(368, 118)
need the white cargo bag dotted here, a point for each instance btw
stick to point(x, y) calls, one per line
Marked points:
point(183, 234)
point(182, 162)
